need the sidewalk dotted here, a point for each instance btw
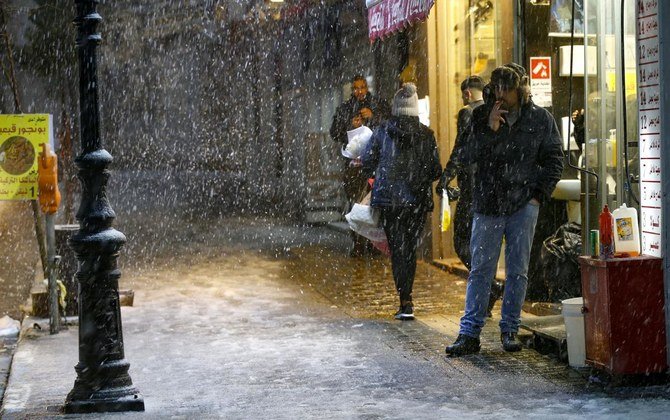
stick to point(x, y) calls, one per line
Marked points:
point(7, 348)
point(307, 333)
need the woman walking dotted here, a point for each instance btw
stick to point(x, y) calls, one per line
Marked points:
point(402, 156)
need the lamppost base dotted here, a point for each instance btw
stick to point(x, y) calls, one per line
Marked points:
point(133, 402)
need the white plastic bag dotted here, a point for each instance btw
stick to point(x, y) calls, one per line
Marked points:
point(445, 215)
point(364, 220)
point(363, 214)
point(358, 138)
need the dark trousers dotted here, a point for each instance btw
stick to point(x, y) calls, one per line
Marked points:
point(403, 227)
point(463, 228)
point(355, 187)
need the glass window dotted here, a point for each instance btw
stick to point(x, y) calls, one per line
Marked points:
point(487, 46)
point(611, 117)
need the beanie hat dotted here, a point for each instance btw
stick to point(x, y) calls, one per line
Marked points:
point(406, 101)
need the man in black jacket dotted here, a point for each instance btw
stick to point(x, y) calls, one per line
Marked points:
point(472, 93)
point(361, 109)
point(518, 151)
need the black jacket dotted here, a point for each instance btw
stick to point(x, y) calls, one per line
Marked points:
point(454, 166)
point(514, 164)
point(402, 155)
point(349, 109)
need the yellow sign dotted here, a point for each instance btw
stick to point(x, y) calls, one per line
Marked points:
point(20, 139)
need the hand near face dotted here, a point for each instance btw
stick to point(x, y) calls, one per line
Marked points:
point(366, 113)
point(497, 116)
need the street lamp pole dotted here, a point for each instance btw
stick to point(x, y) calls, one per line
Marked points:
point(103, 382)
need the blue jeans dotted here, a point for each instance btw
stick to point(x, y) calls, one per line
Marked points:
point(487, 234)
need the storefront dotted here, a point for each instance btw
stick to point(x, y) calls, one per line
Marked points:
point(464, 38)
point(438, 44)
point(570, 70)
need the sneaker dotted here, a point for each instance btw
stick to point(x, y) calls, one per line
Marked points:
point(405, 312)
point(463, 345)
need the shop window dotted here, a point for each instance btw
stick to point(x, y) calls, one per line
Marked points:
point(610, 153)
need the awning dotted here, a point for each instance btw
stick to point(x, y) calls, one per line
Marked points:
point(388, 16)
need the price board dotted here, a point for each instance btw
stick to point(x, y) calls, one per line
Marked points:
point(650, 122)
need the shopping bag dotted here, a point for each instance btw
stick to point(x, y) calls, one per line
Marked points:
point(445, 218)
point(363, 214)
point(382, 246)
point(358, 138)
point(364, 220)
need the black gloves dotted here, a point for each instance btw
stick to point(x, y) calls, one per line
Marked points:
point(445, 179)
point(453, 193)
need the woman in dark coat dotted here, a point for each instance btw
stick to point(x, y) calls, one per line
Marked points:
point(402, 156)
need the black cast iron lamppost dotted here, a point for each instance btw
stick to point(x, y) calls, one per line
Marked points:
point(103, 382)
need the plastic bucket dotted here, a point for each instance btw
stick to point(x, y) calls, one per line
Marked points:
point(574, 328)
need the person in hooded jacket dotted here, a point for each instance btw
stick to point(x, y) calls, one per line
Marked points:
point(402, 155)
point(519, 155)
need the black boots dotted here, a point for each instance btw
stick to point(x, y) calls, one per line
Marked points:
point(463, 345)
point(497, 290)
point(510, 342)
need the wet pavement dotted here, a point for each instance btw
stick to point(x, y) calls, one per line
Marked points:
point(258, 320)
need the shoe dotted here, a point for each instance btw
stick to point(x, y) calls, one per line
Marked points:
point(497, 290)
point(463, 345)
point(405, 312)
point(510, 342)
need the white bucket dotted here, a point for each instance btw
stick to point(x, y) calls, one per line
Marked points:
point(574, 328)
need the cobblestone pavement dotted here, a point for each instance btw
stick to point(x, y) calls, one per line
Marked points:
point(245, 324)
point(363, 288)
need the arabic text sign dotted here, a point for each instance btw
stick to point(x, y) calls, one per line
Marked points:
point(650, 124)
point(540, 80)
point(20, 139)
point(389, 16)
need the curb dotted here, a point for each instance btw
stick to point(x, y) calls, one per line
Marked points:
point(8, 346)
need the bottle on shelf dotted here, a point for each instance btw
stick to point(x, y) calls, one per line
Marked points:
point(626, 231)
point(606, 222)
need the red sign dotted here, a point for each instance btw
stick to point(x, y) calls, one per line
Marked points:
point(540, 81)
point(540, 68)
point(389, 16)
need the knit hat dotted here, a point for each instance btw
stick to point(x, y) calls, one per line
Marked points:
point(406, 101)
